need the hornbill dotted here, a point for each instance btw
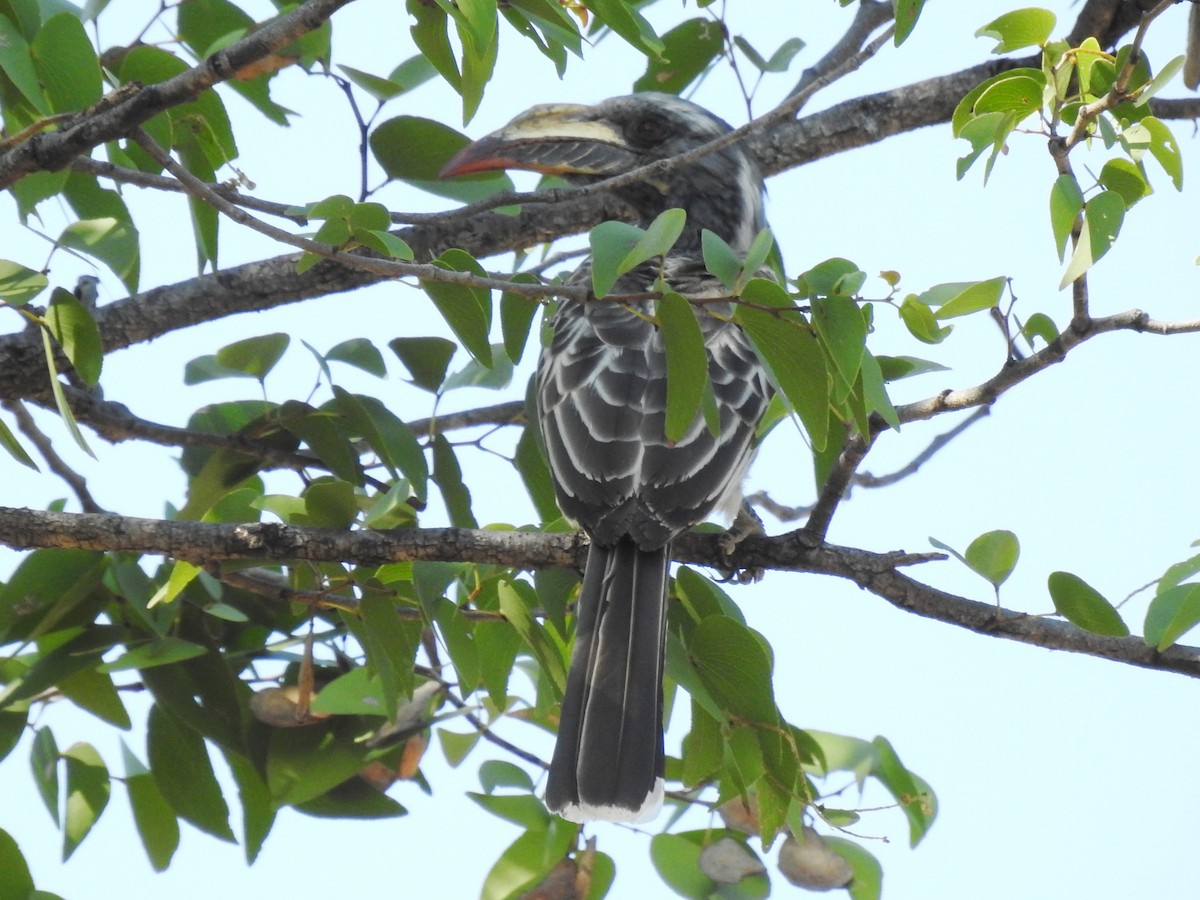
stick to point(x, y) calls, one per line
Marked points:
point(601, 388)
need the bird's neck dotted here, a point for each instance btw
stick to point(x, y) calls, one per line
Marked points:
point(733, 210)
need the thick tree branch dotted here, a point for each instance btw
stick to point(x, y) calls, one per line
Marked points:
point(1053, 634)
point(206, 543)
point(116, 423)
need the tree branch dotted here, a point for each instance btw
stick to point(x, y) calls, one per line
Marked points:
point(56, 463)
point(205, 543)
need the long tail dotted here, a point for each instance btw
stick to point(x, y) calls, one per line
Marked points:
point(608, 762)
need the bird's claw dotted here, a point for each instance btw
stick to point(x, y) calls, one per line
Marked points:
point(746, 523)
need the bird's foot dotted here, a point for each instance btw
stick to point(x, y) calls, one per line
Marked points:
point(745, 524)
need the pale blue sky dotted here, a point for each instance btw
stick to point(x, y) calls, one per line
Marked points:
point(1058, 775)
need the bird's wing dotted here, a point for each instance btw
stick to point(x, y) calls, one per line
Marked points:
point(602, 389)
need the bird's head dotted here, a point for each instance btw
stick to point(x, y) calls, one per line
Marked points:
point(721, 191)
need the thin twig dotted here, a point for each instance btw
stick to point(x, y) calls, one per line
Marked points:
point(867, 480)
point(871, 15)
point(387, 268)
point(56, 463)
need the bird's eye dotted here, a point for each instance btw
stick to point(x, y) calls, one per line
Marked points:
point(648, 130)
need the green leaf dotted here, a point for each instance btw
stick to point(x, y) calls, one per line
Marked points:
point(75, 653)
point(47, 587)
point(1082, 605)
point(161, 652)
point(426, 359)
point(1161, 80)
point(1040, 325)
point(984, 131)
point(496, 773)
point(258, 810)
point(719, 258)
point(907, 12)
point(611, 243)
point(689, 50)
point(415, 150)
point(687, 363)
point(961, 298)
point(498, 647)
point(226, 613)
point(782, 58)
point(520, 809)
point(1126, 178)
point(391, 645)
point(360, 353)
point(17, 63)
point(387, 435)
point(840, 324)
point(677, 861)
point(304, 763)
point(474, 374)
point(448, 476)
point(913, 795)
point(703, 747)
point(789, 348)
point(184, 774)
point(1178, 573)
point(516, 317)
point(535, 474)
point(66, 63)
point(874, 393)
point(626, 21)
point(324, 433)
point(457, 634)
point(1102, 218)
point(657, 240)
point(456, 746)
point(1171, 615)
point(43, 759)
point(429, 34)
point(76, 332)
point(466, 309)
point(357, 693)
point(1020, 95)
point(517, 601)
point(15, 880)
point(156, 824)
point(254, 357)
point(113, 242)
point(921, 322)
point(1030, 27)
point(381, 89)
point(1066, 203)
point(19, 285)
point(182, 574)
point(88, 789)
point(756, 59)
point(529, 859)
point(994, 555)
point(735, 668)
point(1165, 149)
point(867, 883)
point(383, 242)
point(893, 368)
point(94, 691)
point(832, 276)
point(9, 442)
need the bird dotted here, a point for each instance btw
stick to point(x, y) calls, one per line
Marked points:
point(601, 386)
